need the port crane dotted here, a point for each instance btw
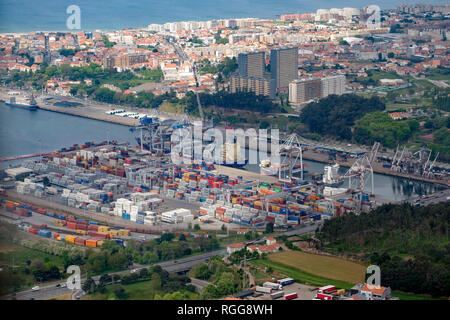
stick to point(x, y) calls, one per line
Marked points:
point(360, 171)
point(291, 149)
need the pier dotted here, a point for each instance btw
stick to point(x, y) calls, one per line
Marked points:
point(25, 156)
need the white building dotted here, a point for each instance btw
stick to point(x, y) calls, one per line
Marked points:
point(332, 85)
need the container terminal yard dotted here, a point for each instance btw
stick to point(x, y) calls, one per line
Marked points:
point(84, 194)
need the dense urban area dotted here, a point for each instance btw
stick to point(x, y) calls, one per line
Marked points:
point(367, 100)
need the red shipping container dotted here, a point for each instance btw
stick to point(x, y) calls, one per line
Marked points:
point(93, 227)
point(71, 225)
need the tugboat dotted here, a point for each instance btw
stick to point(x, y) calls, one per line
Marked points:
point(24, 103)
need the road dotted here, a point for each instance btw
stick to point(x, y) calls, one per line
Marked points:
point(171, 266)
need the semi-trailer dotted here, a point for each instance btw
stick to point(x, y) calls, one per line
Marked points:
point(263, 289)
point(277, 295)
point(291, 296)
point(272, 285)
point(285, 281)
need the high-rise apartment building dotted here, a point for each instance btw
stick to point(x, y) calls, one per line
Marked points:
point(260, 86)
point(284, 67)
point(304, 90)
point(251, 64)
point(332, 85)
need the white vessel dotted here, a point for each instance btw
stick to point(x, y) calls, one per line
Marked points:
point(331, 176)
point(268, 168)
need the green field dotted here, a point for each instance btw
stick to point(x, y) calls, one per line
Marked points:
point(301, 276)
point(321, 266)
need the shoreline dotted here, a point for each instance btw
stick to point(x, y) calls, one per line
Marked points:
point(94, 111)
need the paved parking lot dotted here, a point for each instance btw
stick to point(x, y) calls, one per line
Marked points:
point(303, 291)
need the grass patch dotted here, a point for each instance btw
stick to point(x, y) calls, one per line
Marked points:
point(170, 107)
point(322, 266)
point(301, 276)
point(13, 253)
point(410, 296)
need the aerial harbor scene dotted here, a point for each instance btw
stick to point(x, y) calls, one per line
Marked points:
point(228, 151)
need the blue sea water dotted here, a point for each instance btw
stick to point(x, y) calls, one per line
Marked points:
point(50, 15)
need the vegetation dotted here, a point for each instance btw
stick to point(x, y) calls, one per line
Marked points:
point(379, 126)
point(322, 266)
point(152, 283)
point(224, 280)
point(410, 244)
point(240, 101)
point(335, 115)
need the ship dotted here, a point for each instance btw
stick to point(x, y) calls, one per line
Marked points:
point(331, 177)
point(230, 156)
point(24, 103)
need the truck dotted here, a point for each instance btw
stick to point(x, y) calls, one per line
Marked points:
point(291, 296)
point(323, 296)
point(285, 281)
point(272, 285)
point(327, 289)
point(263, 289)
point(277, 295)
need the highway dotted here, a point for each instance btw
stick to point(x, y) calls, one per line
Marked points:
point(179, 265)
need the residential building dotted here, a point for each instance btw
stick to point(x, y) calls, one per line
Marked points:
point(304, 90)
point(260, 86)
point(332, 85)
point(251, 64)
point(233, 247)
point(284, 67)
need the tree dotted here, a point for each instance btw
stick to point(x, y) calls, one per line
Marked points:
point(89, 285)
point(269, 227)
point(120, 293)
point(144, 273)
point(155, 282)
point(196, 227)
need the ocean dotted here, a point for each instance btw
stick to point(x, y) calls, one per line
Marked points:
point(19, 16)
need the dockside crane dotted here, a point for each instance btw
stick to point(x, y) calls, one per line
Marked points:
point(361, 170)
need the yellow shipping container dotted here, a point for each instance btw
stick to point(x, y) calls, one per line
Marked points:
point(113, 233)
point(81, 231)
point(70, 239)
point(103, 229)
point(124, 233)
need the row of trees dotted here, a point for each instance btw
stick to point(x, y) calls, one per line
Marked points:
point(240, 100)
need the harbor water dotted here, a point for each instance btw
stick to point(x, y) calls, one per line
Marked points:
point(28, 132)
